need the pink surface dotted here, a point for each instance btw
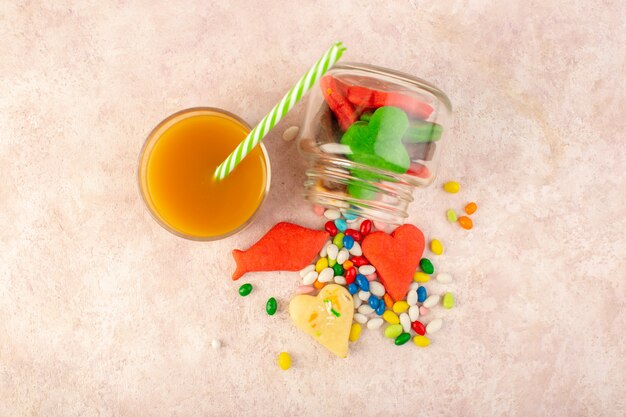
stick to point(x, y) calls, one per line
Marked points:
point(103, 313)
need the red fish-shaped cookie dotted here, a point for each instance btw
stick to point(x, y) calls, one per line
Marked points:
point(286, 247)
point(395, 256)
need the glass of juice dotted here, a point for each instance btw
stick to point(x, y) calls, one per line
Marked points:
point(176, 167)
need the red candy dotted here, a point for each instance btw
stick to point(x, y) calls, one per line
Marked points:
point(354, 234)
point(350, 275)
point(418, 328)
point(334, 92)
point(331, 228)
point(359, 261)
point(366, 98)
point(366, 227)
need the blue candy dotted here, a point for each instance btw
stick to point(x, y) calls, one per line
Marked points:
point(381, 308)
point(341, 225)
point(353, 288)
point(349, 216)
point(373, 302)
point(362, 282)
point(348, 242)
point(421, 294)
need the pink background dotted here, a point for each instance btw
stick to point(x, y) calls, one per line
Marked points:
point(103, 313)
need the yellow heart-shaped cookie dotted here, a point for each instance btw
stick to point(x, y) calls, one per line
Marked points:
point(326, 317)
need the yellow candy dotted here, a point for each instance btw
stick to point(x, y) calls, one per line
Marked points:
point(391, 317)
point(400, 307)
point(355, 332)
point(284, 361)
point(421, 341)
point(420, 276)
point(452, 187)
point(436, 247)
point(327, 318)
point(321, 264)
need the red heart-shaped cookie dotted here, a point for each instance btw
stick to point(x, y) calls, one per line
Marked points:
point(396, 257)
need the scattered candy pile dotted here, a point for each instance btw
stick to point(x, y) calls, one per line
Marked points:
point(465, 222)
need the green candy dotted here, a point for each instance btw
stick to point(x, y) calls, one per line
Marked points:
point(338, 240)
point(427, 266)
point(338, 268)
point(402, 339)
point(451, 215)
point(366, 116)
point(358, 191)
point(393, 330)
point(245, 289)
point(422, 132)
point(271, 306)
point(331, 262)
point(378, 143)
point(448, 300)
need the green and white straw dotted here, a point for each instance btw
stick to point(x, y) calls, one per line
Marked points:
point(280, 110)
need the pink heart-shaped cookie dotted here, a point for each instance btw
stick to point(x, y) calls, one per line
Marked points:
point(396, 257)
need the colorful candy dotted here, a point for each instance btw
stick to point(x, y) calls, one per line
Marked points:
point(337, 269)
point(436, 247)
point(451, 215)
point(360, 318)
point(352, 288)
point(359, 261)
point(365, 309)
point(332, 252)
point(400, 307)
point(364, 295)
point(321, 264)
point(341, 225)
point(393, 330)
point(318, 285)
point(245, 289)
point(338, 240)
point(421, 341)
point(448, 300)
point(355, 332)
point(366, 227)
point(330, 228)
point(362, 282)
point(411, 298)
point(388, 300)
point(421, 294)
point(334, 92)
point(423, 311)
point(350, 275)
point(418, 327)
point(391, 317)
point(414, 313)
point(331, 214)
point(452, 187)
point(465, 222)
point(340, 280)
point(405, 322)
point(348, 242)
point(471, 208)
point(271, 306)
point(431, 301)
point(305, 289)
point(366, 98)
point(434, 326)
point(374, 302)
point(374, 323)
point(402, 339)
point(343, 256)
point(354, 234)
point(427, 266)
point(420, 276)
point(376, 288)
point(380, 310)
point(356, 249)
point(216, 344)
point(284, 361)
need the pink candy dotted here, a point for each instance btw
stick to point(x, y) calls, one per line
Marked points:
point(305, 289)
point(318, 210)
point(423, 311)
point(371, 277)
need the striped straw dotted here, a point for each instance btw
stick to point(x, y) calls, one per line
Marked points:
point(280, 110)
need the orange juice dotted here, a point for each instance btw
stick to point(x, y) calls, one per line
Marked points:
point(176, 174)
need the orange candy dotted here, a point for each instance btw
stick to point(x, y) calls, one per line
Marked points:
point(347, 265)
point(318, 285)
point(388, 300)
point(465, 222)
point(471, 208)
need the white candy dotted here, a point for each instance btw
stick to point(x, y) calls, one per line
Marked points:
point(356, 249)
point(367, 269)
point(342, 256)
point(326, 275)
point(306, 270)
point(332, 251)
point(411, 297)
point(357, 302)
point(434, 326)
point(444, 278)
point(360, 318)
point(365, 309)
point(324, 250)
point(331, 214)
point(431, 301)
point(414, 286)
point(405, 322)
point(364, 295)
point(340, 280)
point(337, 148)
point(290, 133)
point(309, 278)
point(414, 313)
point(216, 344)
point(374, 323)
point(377, 288)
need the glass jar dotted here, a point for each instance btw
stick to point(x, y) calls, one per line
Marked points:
point(371, 136)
